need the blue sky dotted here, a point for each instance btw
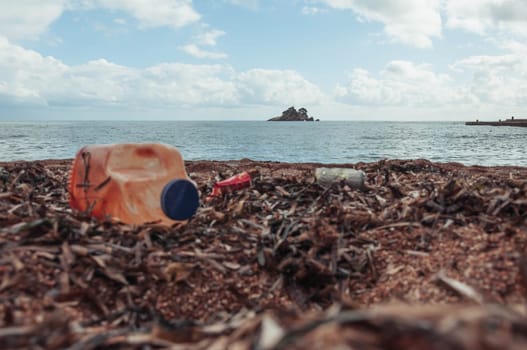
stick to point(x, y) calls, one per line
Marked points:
point(252, 59)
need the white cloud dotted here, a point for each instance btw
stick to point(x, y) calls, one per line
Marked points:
point(498, 79)
point(412, 22)
point(209, 38)
point(186, 84)
point(417, 22)
point(312, 10)
point(496, 82)
point(278, 87)
point(402, 83)
point(516, 47)
point(28, 18)
point(197, 52)
point(119, 21)
point(484, 16)
point(150, 13)
point(28, 78)
point(251, 4)
point(25, 73)
point(31, 18)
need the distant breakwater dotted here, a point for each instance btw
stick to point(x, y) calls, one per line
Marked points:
point(507, 122)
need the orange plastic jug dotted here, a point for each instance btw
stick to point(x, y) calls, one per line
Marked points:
point(133, 183)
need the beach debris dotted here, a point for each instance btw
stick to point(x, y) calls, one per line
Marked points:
point(132, 183)
point(351, 177)
point(233, 183)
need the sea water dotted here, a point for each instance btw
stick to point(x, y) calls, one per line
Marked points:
point(324, 142)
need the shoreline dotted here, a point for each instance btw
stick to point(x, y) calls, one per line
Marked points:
point(61, 161)
point(308, 165)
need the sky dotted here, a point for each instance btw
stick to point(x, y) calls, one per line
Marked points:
point(252, 59)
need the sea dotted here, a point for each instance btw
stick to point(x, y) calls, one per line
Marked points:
point(321, 142)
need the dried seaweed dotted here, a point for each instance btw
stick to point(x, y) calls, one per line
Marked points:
point(283, 264)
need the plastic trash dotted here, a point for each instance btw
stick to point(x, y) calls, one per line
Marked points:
point(133, 183)
point(233, 183)
point(351, 177)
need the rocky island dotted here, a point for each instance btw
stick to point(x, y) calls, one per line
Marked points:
point(292, 115)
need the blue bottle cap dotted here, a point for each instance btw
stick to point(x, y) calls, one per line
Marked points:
point(179, 199)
